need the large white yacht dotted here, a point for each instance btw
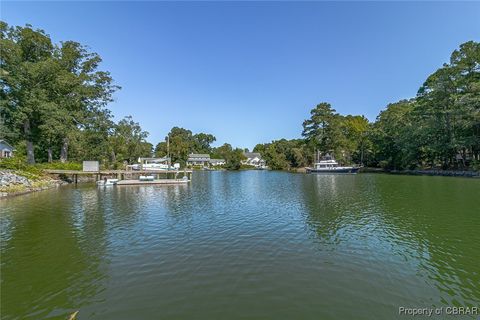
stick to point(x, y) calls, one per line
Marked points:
point(328, 164)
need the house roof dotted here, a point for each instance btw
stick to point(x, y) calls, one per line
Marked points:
point(6, 144)
point(199, 155)
point(154, 159)
point(252, 155)
point(217, 160)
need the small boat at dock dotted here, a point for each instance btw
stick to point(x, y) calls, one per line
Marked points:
point(107, 182)
point(146, 178)
point(154, 164)
point(329, 165)
point(143, 180)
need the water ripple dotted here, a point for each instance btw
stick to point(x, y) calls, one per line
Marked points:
point(238, 245)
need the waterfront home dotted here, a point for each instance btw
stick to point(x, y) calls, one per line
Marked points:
point(198, 159)
point(217, 162)
point(253, 159)
point(6, 149)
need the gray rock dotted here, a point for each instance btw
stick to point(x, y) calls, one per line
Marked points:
point(9, 178)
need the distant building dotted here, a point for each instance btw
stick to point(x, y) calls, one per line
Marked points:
point(253, 159)
point(217, 162)
point(6, 149)
point(195, 159)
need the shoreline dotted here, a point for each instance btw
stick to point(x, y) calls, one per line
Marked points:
point(425, 172)
point(7, 195)
point(46, 182)
point(16, 183)
point(53, 184)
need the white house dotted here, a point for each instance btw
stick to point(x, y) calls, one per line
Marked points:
point(253, 159)
point(6, 149)
point(195, 159)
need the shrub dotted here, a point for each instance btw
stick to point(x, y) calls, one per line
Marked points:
point(19, 163)
point(475, 165)
point(14, 163)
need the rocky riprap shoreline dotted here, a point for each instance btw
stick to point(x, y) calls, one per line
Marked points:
point(427, 172)
point(14, 183)
point(8, 178)
point(444, 173)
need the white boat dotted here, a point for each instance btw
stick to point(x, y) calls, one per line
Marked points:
point(146, 178)
point(328, 164)
point(107, 182)
point(154, 164)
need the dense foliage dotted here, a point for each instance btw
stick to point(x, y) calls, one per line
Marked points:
point(54, 98)
point(180, 142)
point(233, 157)
point(439, 128)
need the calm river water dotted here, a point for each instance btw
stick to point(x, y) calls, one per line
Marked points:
point(243, 245)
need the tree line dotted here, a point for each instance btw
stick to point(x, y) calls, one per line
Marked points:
point(180, 142)
point(439, 128)
point(54, 99)
point(54, 102)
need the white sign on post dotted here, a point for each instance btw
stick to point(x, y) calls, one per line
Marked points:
point(91, 166)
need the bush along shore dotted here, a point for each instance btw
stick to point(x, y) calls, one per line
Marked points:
point(16, 182)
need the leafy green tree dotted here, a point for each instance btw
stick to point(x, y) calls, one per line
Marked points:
point(284, 154)
point(322, 131)
point(181, 142)
point(202, 142)
point(26, 58)
point(78, 76)
point(128, 141)
point(449, 105)
point(233, 157)
point(389, 134)
point(92, 142)
point(355, 130)
point(49, 91)
point(276, 160)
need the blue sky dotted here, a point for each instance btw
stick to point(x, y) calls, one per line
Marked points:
point(249, 72)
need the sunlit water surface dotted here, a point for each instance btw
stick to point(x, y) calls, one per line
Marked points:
point(243, 245)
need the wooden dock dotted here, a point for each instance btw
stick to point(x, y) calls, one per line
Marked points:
point(127, 175)
point(151, 182)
